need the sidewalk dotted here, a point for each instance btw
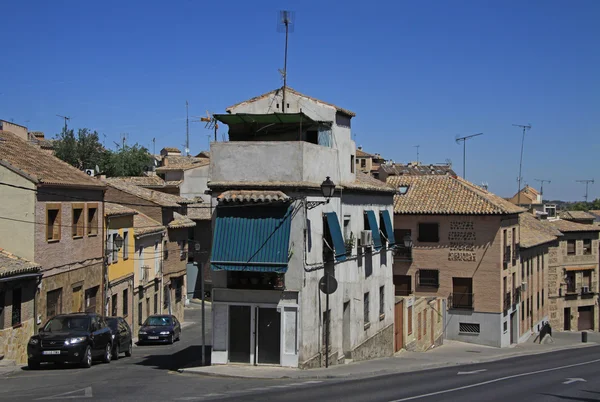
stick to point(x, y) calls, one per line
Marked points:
point(452, 353)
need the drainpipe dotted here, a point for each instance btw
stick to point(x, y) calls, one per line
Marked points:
point(104, 263)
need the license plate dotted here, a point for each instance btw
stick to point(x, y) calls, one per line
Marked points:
point(51, 352)
point(153, 337)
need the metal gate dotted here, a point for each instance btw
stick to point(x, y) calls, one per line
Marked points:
point(399, 326)
point(586, 318)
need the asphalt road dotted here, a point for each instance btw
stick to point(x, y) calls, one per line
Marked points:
point(150, 375)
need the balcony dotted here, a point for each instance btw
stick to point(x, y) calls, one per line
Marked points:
point(462, 300)
point(403, 253)
point(506, 257)
point(507, 301)
point(516, 296)
point(275, 161)
point(515, 253)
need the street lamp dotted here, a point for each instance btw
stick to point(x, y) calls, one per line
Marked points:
point(408, 243)
point(327, 188)
point(118, 242)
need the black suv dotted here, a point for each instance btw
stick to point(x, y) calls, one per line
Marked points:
point(71, 338)
point(121, 335)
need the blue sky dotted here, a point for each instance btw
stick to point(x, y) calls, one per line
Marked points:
point(416, 73)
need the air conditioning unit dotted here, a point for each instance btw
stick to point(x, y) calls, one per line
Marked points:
point(90, 172)
point(366, 238)
point(585, 289)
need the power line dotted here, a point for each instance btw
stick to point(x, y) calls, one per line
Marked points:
point(587, 183)
point(67, 118)
point(464, 140)
point(524, 127)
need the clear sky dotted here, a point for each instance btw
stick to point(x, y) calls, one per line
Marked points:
point(415, 72)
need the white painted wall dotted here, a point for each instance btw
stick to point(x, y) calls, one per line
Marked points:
point(195, 183)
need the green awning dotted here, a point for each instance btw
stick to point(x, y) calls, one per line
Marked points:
point(387, 227)
point(336, 235)
point(267, 118)
point(374, 229)
point(251, 239)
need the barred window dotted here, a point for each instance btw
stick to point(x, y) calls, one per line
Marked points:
point(468, 328)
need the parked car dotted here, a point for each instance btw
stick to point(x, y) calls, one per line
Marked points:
point(71, 338)
point(160, 328)
point(122, 339)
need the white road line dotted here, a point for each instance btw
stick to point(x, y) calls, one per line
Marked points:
point(311, 382)
point(259, 389)
point(445, 391)
point(282, 386)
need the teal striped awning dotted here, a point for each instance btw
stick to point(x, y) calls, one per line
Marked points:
point(251, 239)
point(374, 229)
point(387, 227)
point(336, 236)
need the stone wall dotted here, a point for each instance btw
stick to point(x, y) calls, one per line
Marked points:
point(427, 318)
point(13, 341)
point(379, 345)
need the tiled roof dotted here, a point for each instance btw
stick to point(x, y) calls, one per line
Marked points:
point(366, 182)
point(143, 224)
point(151, 181)
point(576, 215)
point(157, 197)
point(567, 226)
point(112, 209)
point(171, 149)
point(293, 91)
point(446, 195)
point(362, 154)
point(535, 232)
point(252, 196)
point(181, 221)
point(203, 154)
point(199, 212)
point(182, 163)
point(414, 169)
point(11, 265)
point(38, 166)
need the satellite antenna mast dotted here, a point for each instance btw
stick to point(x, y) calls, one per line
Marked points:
point(417, 146)
point(464, 141)
point(524, 127)
point(187, 130)
point(587, 183)
point(67, 118)
point(154, 146)
point(286, 24)
point(542, 181)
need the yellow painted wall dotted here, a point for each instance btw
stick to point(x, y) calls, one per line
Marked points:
point(122, 267)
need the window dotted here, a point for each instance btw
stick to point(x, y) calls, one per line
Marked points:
point(522, 310)
point(403, 284)
point(141, 313)
point(429, 233)
point(429, 277)
point(366, 308)
point(125, 245)
point(165, 251)
point(155, 303)
point(467, 328)
point(125, 302)
point(90, 299)
point(77, 228)
point(419, 326)
point(571, 247)
point(363, 163)
point(409, 320)
point(587, 246)
point(342, 120)
point(114, 311)
point(92, 220)
point(53, 303)
point(514, 244)
point(381, 300)
point(462, 293)
point(351, 163)
point(347, 227)
point(16, 306)
point(182, 249)
point(570, 282)
point(527, 307)
point(505, 326)
point(166, 297)
point(178, 289)
point(53, 222)
point(587, 279)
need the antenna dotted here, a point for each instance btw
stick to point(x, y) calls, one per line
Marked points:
point(542, 181)
point(524, 127)
point(417, 146)
point(464, 141)
point(285, 24)
point(211, 122)
point(187, 130)
point(154, 146)
point(587, 183)
point(67, 118)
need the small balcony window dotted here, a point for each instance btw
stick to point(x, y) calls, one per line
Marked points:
point(429, 278)
point(587, 246)
point(571, 247)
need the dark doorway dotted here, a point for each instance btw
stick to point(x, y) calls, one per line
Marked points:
point(269, 335)
point(586, 318)
point(567, 319)
point(239, 334)
point(513, 328)
point(346, 329)
point(403, 285)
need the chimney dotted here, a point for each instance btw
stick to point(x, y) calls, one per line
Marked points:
point(360, 147)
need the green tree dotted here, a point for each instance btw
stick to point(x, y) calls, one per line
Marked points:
point(83, 151)
point(127, 161)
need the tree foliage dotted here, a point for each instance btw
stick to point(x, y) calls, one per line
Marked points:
point(84, 151)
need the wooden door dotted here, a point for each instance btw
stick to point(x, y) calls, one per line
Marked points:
point(399, 326)
point(586, 318)
point(77, 300)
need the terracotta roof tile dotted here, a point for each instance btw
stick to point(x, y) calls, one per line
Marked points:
point(143, 224)
point(182, 163)
point(576, 215)
point(253, 196)
point(414, 169)
point(181, 221)
point(171, 149)
point(535, 232)
point(199, 212)
point(362, 154)
point(151, 181)
point(567, 226)
point(112, 209)
point(366, 182)
point(446, 195)
point(11, 265)
point(38, 166)
point(157, 197)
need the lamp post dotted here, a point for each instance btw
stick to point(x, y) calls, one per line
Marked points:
point(327, 189)
point(408, 243)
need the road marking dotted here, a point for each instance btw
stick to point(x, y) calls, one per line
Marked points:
point(282, 386)
point(446, 391)
point(259, 389)
point(204, 396)
point(87, 393)
point(572, 380)
point(311, 382)
point(471, 372)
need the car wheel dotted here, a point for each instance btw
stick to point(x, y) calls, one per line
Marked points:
point(171, 339)
point(179, 336)
point(107, 353)
point(115, 352)
point(86, 361)
point(129, 350)
point(33, 365)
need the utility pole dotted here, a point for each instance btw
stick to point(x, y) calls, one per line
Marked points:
point(464, 141)
point(66, 119)
point(417, 146)
point(542, 181)
point(587, 183)
point(285, 20)
point(524, 127)
point(187, 130)
point(154, 146)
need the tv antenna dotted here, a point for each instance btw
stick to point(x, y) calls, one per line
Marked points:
point(520, 178)
point(417, 146)
point(187, 130)
point(464, 141)
point(587, 183)
point(542, 181)
point(67, 118)
point(211, 123)
point(285, 24)
point(154, 146)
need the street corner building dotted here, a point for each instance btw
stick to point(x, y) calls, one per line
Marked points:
point(291, 210)
point(52, 215)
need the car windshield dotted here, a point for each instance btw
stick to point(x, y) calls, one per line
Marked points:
point(113, 323)
point(68, 323)
point(158, 321)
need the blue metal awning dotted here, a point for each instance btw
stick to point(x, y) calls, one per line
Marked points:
point(374, 229)
point(387, 227)
point(251, 239)
point(336, 235)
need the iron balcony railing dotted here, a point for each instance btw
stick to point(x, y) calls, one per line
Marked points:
point(402, 253)
point(516, 295)
point(462, 300)
point(515, 253)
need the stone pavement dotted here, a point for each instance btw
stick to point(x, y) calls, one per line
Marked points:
point(451, 353)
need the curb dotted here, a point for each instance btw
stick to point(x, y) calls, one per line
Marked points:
point(425, 367)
